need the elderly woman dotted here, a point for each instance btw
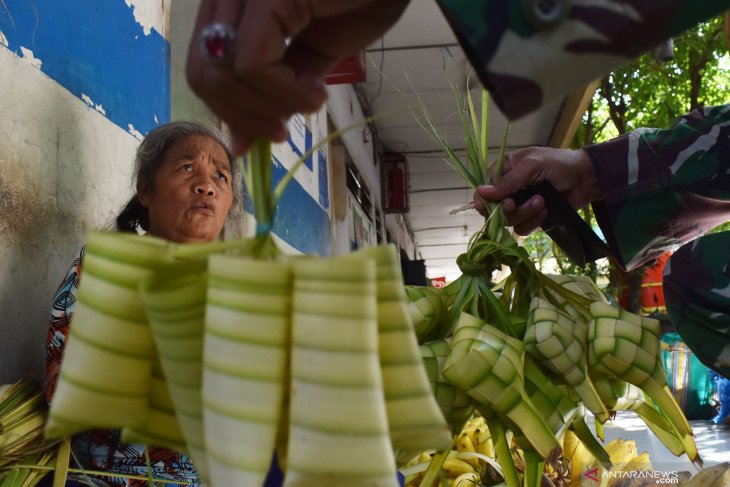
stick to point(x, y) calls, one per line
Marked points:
point(184, 193)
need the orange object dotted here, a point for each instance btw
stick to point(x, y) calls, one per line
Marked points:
point(652, 292)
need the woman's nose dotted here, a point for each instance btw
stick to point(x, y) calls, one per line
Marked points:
point(204, 187)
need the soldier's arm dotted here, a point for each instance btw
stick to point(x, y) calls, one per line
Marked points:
point(664, 187)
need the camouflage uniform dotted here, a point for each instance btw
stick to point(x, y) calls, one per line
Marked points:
point(527, 56)
point(662, 190)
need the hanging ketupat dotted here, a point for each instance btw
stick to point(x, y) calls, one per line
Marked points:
point(235, 358)
point(552, 318)
point(261, 370)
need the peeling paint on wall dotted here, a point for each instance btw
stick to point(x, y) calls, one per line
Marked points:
point(110, 51)
point(93, 105)
point(28, 57)
point(136, 133)
point(148, 14)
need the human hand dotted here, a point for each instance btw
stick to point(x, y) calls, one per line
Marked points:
point(281, 52)
point(569, 171)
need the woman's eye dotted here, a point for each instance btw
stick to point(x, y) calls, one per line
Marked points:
point(221, 176)
point(186, 167)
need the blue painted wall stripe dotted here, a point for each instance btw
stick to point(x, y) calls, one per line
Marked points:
point(324, 194)
point(96, 48)
point(299, 220)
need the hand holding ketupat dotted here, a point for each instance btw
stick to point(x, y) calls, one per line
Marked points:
point(570, 171)
point(266, 59)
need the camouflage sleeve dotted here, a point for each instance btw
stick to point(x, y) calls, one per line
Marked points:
point(664, 187)
point(521, 50)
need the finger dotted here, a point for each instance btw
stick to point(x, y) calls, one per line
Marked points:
point(223, 88)
point(260, 44)
point(530, 225)
point(266, 25)
point(245, 126)
point(264, 28)
point(228, 12)
point(195, 63)
point(225, 12)
point(206, 11)
point(489, 192)
point(508, 205)
point(479, 205)
point(516, 179)
point(526, 211)
point(201, 74)
point(284, 91)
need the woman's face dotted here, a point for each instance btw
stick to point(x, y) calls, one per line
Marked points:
point(192, 192)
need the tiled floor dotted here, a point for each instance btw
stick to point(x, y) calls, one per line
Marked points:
point(713, 442)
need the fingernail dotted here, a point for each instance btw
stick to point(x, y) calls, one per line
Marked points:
point(488, 188)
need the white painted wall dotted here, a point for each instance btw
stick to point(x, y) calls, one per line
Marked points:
point(184, 105)
point(345, 111)
point(65, 169)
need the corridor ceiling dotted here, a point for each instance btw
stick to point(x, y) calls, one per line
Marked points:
point(417, 61)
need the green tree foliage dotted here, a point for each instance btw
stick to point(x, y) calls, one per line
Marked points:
point(652, 92)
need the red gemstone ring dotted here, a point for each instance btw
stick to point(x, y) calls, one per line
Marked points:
point(216, 43)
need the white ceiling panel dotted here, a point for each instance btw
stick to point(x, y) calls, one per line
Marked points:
point(433, 68)
point(441, 180)
point(442, 251)
point(428, 163)
point(433, 201)
point(416, 62)
point(421, 24)
point(436, 221)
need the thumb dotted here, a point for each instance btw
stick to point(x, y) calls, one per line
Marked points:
point(504, 186)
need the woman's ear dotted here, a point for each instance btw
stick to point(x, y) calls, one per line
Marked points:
point(143, 197)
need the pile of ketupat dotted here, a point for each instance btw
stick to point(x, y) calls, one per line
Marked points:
point(233, 352)
point(530, 355)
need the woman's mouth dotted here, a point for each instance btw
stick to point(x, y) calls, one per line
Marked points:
point(204, 207)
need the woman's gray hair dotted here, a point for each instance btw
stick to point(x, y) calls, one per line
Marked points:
point(150, 157)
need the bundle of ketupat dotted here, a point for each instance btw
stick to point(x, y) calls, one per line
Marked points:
point(233, 352)
point(528, 352)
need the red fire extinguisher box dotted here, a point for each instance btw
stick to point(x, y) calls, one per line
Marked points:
point(394, 179)
point(349, 70)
